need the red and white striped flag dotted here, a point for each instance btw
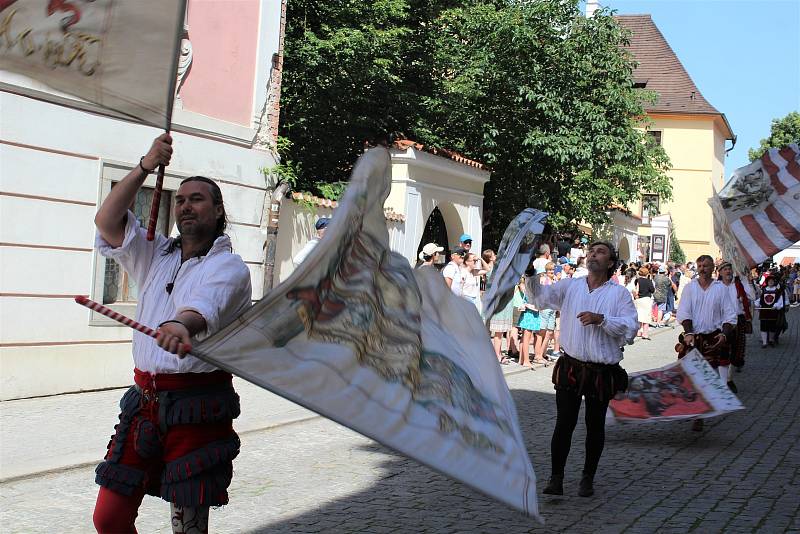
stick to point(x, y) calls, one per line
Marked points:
point(757, 213)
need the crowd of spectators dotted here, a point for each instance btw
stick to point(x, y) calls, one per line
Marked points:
point(520, 328)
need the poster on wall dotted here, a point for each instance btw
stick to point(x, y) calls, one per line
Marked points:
point(659, 247)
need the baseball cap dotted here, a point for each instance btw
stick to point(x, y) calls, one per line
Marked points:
point(662, 269)
point(430, 249)
point(322, 222)
point(459, 251)
point(464, 238)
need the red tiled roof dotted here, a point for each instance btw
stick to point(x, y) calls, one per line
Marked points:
point(388, 213)
point(661, 69)
point(404, 144)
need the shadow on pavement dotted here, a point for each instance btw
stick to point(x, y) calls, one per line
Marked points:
point(650, 475)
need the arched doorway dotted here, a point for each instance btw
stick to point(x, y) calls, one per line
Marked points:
point(435, 231)
point(624, 250)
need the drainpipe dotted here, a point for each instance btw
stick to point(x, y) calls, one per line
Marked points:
point(270, 244)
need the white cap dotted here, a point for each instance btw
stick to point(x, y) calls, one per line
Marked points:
point(429, 250)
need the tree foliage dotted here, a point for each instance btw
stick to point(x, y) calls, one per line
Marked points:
point(676, 252)
point(782, 132)
point(533, 89)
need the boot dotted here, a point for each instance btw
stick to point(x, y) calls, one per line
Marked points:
point(586, 488)
point(555, 486)
point(732, 387)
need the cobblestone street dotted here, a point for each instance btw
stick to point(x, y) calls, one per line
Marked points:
point(741, 474)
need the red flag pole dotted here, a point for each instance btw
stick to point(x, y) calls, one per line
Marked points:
point(154, 207)
point(99, 308)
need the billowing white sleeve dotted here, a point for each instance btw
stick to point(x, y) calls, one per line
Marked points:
point(546, 297)
point(624, 323)
point(224, 293)
point(136, 252)
point(686, 304)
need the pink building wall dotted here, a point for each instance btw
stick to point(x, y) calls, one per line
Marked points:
point(224, 37)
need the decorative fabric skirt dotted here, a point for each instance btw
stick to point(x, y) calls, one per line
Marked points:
point(503, 320)
point(529, 320)
point(713, 351)
point(596, 380)
point(644, 309)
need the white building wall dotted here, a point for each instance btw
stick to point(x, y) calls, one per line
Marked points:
point(56, 164)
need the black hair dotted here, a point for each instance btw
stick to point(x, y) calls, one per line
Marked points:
point(613, 253)
point(216, 198)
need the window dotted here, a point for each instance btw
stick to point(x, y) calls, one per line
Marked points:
point(650, 207)
point(118, 287)
point(654, 136)
point(111, 285)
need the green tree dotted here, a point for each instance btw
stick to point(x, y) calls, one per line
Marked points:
point(541, 94)
point(545, 97)
point(781, 133)
point(676, 252)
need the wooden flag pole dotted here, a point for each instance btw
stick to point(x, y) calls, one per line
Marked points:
point(154, 207)
point(99, 308)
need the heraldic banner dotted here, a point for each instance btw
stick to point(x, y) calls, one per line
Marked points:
point(358, 336)
point(757, 213)
point(119, 54)
point(686, 389)
point(513, 257)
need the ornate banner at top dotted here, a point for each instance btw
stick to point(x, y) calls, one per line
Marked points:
point(118, 54)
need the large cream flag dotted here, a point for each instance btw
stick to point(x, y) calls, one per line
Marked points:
point(358, 336)
point(120, 54)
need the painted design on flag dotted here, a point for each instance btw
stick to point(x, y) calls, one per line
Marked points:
point(757, 213)
point(513, 257)
point(359, 337)
point(98, 50)
point(686, 389)
point(357, 305)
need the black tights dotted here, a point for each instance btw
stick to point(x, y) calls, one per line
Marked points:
point(568, 405)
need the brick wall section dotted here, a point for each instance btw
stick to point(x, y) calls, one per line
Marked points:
point(274, 95)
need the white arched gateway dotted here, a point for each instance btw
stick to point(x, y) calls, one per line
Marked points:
point(438, 189)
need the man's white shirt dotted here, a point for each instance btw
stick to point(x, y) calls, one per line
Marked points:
point(217, 286)
point(591, 343)
point(455, 273)
point(709, 308)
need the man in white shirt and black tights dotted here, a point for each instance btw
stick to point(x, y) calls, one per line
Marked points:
point(708, 315)
point(597, 319)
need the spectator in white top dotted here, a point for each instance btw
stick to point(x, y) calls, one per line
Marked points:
point(542, 258)
point(577, 251)
point(430, 254)
point(472, 272)
point(580, 268)
point(319, 226)
point(452, 272)
point(597, 319)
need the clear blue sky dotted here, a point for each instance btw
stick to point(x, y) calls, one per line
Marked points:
point(744, 55)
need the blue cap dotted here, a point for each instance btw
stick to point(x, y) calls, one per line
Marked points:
point(464, 238)
point(322, 222)
point(584, 240)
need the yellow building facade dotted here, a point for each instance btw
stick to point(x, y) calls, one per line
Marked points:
point(694, 135)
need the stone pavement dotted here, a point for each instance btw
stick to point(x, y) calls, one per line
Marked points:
point(741, 474)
